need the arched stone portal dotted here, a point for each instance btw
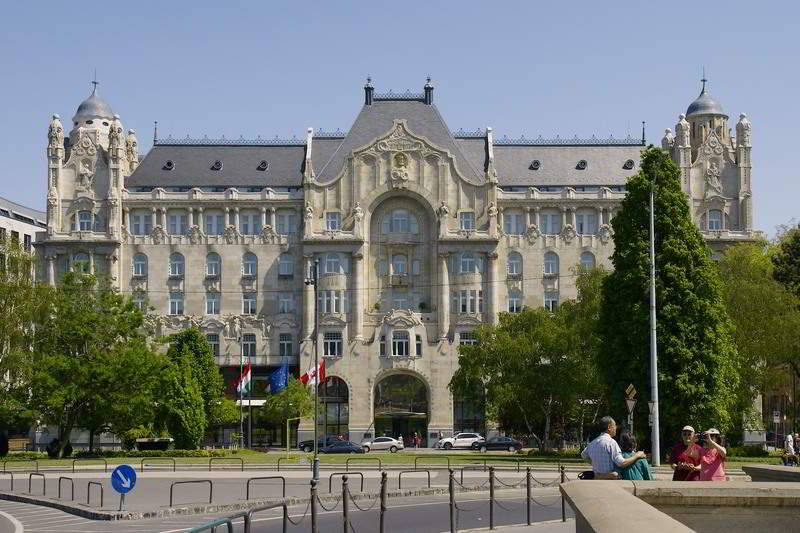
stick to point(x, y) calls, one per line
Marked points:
point(334, 408)
point(402, 407)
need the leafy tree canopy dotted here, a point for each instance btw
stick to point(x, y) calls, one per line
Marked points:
point(787, 260)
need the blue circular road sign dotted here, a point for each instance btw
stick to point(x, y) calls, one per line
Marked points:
point(123, 479)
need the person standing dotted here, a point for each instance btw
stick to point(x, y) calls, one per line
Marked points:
point(604, 453)
point(712, 463)
point(788, 450)
point(640, 470)
point(685, 457)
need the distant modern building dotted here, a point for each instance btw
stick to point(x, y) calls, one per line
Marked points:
point(420, 234)
point(20, 224)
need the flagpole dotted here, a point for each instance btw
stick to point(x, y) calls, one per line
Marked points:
point(250, 406)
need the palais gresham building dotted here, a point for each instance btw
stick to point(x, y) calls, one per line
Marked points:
point(420, 234)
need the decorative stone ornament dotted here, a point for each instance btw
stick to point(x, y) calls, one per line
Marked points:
point(400, 170)
point(132, 149)
point(743, 131)
point(55, 133)
point(158, 235)
point(668, 141)
point(713, 183)
point(568, 233)
point(85, 174)
point(605, 233)
point(682, 130)
point(533, 233)
point(231, 234)
point(195, 234)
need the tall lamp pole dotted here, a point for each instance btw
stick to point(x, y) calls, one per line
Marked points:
point(241, 400)
point(313, 279)
point(656, 451)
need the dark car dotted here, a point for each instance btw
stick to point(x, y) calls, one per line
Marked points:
point(308, 445)
point(342, 446)
point(498, 443)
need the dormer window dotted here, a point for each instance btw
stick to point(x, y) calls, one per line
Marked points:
point(581, 165)
point(90, 121)
point(535, 164)
point(168, 165)
point(628, 164)
point(105, 123)
point(263, 166)
point(217, 165)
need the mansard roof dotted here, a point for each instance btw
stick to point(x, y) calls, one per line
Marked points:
point(16, 211)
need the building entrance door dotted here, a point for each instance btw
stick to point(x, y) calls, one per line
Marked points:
point(401, 408)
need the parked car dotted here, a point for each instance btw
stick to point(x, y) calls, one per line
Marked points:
point(342, 446)
point(308, 445)
point(498, 443)
point(382, 443)
point(459, 440)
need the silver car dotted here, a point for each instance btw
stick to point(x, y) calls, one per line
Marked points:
point(382, 443)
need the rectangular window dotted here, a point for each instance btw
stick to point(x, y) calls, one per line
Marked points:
point(84, 221)
point(551, 300)
point(286, 265)
point(177, 224)
point(331, 301)
point(464, 301)
point(551, 223)
point(514, 303)
point(382, 348)
point(419, 346)
point(416, 267)
point(250, 224)
point(513, 223)
point(467, 220)
point(285, 302)
point(140, 301)
point(586, 223)
point(332, 344)
point(248, 345)
point(333, 221)
point(287, 223)
point(27, 242)
point(467, 263)
point(213, 340)
point(467, 338)
point(215, 224)
point(285, 344)
point(176, 303)
point(142, 224)
point(400, 300)
point(249, 303)
point(212, 303)
point(400, 347)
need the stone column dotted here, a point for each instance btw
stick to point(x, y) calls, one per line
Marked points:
point(602, 217)
point(227, 216)
point(153, 218)
point(236, 217)
point(537, 212)
point(273, 221)
point(563, 217)
point(308, 299)
point(201, 220)
point(528, 218)
point(190, 212)
point(91, 262)
point(127, 213)
point(358, 296)
point(491, 287)
point(51, 270)
point(444, 296)
point(163, 218)
point(263, 217)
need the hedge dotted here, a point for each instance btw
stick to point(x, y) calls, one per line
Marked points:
point(25, 456)
point(110, 454)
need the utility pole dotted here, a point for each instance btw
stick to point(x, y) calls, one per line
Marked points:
point(313, 279)
point(241, 401)
point(656, 451)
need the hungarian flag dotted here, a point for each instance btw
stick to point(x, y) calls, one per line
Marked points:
point(243, 383)
point(310, 377)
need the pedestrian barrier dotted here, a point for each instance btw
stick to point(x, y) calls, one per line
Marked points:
point(12, 479)
point(241, 461)
point(468, 467)
point(31, 461)
point(212, 526)
point(400, 476)
point(248, 519)
point(105, 463)
point(283, 480)
point(563, 508)
point(141, 463)
point(416, 460)
point(344, 474)
point(71, 484)
point(89, 492)
point(347, 462)
point(44, 483)
point(193, 481)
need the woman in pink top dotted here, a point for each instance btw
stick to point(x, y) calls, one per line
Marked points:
point(712, 463)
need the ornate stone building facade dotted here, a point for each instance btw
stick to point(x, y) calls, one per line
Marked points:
point(420, 234)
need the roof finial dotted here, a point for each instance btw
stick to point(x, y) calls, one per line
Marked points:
point(95, 82)
point(643, 137)
point(155, 132)
point(703, 79)
point(369, 81)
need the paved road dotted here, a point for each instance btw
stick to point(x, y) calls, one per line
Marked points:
point(419, 515)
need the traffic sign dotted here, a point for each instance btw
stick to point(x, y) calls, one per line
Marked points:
point(123, 479)
point(630, 392)
point(631, 403)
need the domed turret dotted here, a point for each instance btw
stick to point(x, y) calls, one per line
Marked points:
point(92, 108)
point(704, 105)
point(705, 116)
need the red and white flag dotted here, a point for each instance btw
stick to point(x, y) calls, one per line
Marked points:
point(311, 376)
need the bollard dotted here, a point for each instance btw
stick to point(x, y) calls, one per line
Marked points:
point(314, 506)
point(491, 497)
point(528, 491)
point(345, 514)
point(384, 481)
point(451, 487)
point(315, 468)
point(563, 508)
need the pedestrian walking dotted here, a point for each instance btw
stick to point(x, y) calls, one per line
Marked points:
point(640, 470)
point(789, 456)
point(604, 453)
point(685, 457)
point(712, 463)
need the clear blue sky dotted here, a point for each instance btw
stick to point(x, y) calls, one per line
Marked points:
point(276, 68)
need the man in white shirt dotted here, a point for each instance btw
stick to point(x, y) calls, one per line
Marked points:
point(604, 452)
point(788, 450)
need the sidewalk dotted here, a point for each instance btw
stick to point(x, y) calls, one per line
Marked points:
point(552, 526)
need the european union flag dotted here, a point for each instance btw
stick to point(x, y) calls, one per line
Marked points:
point(279, 378)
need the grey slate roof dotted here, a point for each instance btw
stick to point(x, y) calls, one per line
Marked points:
point(13, 207)
point(377, 119)
point(192, 166)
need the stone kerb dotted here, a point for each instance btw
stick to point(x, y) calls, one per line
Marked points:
point(772, 473)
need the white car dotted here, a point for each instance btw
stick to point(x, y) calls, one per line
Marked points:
point(459, 440)
point(382, 443)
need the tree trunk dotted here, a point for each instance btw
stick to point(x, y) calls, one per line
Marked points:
point(91, 440)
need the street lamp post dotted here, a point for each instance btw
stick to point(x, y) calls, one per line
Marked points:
point(313, 279)
point(656, 451)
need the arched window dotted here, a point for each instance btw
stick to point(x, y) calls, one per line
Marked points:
point(80, 263)
point(587, 261)
point(213, 265)
point(514, 301)
point(85, 221)
point(715, 220)
point(249, 265)
point(550, 264)
point(176, 265)
point(286, 265)
point(333, 263)
point(399, 265)
point(140, 265)
point(514, 265)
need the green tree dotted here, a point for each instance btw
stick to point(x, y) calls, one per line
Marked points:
point(182, 411)
point(787, 260)
point(294, 401)
point(698, 362)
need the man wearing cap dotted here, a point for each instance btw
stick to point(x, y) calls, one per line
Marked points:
point(604, 453)
point(685, 457)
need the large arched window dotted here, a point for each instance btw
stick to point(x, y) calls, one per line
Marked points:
point(514, 265)
point(250, 265)
point(140, 265)
point(715, 220)
point(286, 265)
point(587, 261)
point(213, 265)
point(550, 264)
point(400, 221)
point(176, 266)
point(399, 265)
point(80, 263)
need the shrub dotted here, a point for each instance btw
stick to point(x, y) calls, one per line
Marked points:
point(67, 451)
point(52, 449)
point(110, 454)
point(25, 456)
point(752, 450)
point(3, 444)
point(153, 444)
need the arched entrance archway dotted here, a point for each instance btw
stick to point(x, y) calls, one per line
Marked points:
point(401, 407)
point(334, 408)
